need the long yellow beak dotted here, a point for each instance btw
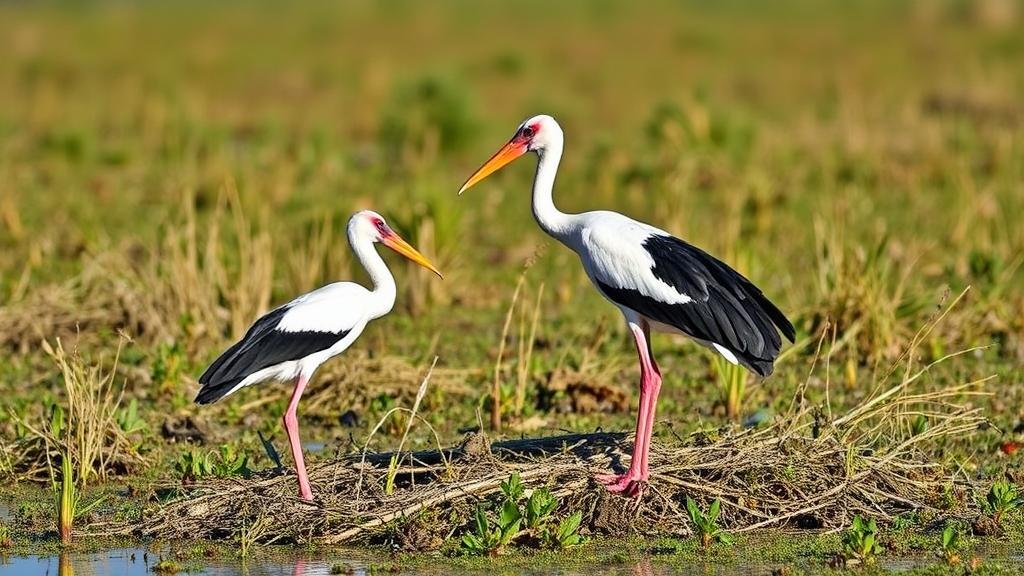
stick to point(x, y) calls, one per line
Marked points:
point(508, 153)
point(395, 242)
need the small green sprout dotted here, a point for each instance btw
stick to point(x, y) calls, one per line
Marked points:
point(488, 539)
point(566, 534)
point(1002, 497)
point(860, 542)
point(706, 525)
point(951, 545)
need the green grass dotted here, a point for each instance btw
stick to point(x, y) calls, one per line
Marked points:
point(171, 177)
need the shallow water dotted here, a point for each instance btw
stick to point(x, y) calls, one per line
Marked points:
point(140, 562)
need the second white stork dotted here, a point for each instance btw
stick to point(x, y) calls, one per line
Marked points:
point(292, 341)
point(658, 281)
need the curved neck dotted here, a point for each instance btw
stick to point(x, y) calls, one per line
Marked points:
point(383, 292)
point(551, 219)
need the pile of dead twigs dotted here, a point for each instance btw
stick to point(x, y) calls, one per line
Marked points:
point(801, 471)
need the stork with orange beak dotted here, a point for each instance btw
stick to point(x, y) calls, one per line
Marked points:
point(292, 341)
point(658, 282)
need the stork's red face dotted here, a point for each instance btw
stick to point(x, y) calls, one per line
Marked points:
point(520, 144)
point(391, 239)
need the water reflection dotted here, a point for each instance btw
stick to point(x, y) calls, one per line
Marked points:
point(139, 562)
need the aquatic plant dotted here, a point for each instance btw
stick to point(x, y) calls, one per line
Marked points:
point(1002, 497)
point(705, 524)
point(521, 518)
point(860, 542)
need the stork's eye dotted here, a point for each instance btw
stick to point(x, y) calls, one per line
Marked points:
point(528, 132)
point(380, 225)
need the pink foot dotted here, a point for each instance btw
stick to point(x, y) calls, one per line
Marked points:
point(629, 484)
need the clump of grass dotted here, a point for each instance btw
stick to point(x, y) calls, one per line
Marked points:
point(496, 388)
point(732, 385)
point(87, 439)
point(412, 413)
point(512, 399)
point(225, 462)
point(194, 278)
point(862, 292)
point(87, 430)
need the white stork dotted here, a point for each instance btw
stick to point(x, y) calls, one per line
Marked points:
point(658, 282)
point(292, 341)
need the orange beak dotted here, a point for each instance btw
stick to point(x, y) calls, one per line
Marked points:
point(509, 152)
point(395, 242)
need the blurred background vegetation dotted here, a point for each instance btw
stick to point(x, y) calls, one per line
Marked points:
point(170, 170)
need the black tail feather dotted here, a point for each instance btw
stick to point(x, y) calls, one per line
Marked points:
point(211, 392)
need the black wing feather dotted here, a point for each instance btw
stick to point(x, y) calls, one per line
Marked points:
point(727, 309)
point(262, 346)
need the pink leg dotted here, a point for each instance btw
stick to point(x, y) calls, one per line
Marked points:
point(291, 426)
point(652, 398)
point(650, 385)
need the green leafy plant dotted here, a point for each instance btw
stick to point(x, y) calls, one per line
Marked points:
point(487, 538)
point(522, 518)
point(1002, 497)
point(231, 462)
point(566, 534)
point(860, 542)
point(706, 524)
point(951, 544)
point(539, 507)
point(194, 464)
point(128, 418)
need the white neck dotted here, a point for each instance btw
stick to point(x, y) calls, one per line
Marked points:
point(553, 221)
point(383, 292)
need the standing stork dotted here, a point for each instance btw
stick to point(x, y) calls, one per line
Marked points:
point(292, 341)
point(658, 282)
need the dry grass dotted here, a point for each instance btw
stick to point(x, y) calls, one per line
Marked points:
point(202, 278)
point(357, 378)
point(205, 280)
point(86, 431)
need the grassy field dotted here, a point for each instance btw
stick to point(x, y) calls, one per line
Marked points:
point(168, 171)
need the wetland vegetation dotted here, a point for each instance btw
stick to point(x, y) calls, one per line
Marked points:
point(170, 171)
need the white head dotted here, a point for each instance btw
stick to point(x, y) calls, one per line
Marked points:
point(537, 134)
point(368, 225)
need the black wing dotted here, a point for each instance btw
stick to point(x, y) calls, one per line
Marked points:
point(726, 308)
point(262, 347)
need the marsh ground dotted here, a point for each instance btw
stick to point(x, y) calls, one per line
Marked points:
point(168, 171)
